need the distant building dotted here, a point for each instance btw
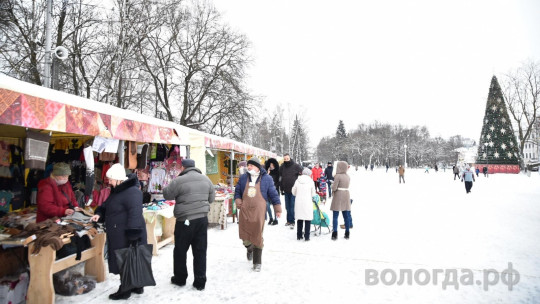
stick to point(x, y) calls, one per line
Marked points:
point(531, 149)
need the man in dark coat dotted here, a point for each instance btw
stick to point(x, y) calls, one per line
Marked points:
point(124, 222)
point(272, 168)
point(288, 173)
point(253, 190)
point(328, 172)
point(193, 193)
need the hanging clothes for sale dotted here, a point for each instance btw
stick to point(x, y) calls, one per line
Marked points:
point(36, 149)
point(142, 157)
point(131, 155)
point(157, 177)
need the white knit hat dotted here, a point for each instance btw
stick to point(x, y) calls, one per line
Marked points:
point(117, 172)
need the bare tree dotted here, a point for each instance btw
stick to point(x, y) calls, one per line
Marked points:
point(22, 49)
point(521, 89)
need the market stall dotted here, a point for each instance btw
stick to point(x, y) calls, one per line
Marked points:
point(39, 127)
point(219, 158)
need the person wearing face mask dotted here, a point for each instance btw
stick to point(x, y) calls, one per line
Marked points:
point(124, 222)
point(251, 193)
point(55, 197)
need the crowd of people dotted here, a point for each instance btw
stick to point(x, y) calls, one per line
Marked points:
point(257, 197)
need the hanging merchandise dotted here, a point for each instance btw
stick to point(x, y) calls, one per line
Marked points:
point(36, 149)
point(106, 156)
point(161, 151)
point(142, 157)
point(89, 174)
point(4, 154)
point(156, 180)
point(131, 155)
point(5, 201)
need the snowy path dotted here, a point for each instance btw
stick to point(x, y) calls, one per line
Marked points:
point(428, 223)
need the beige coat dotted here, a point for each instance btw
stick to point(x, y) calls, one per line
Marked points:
point(341, 200)
point(401, 171)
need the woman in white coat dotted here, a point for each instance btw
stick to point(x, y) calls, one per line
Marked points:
point(304, 191)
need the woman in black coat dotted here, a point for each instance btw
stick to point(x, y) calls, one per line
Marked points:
point(124, 222)
point(272, 168)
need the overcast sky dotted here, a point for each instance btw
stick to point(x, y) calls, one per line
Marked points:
point(421, 62)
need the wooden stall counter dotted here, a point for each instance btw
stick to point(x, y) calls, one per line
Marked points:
point(43, 265)
point(159, 219)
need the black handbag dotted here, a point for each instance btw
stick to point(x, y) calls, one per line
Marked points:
point(135, 264)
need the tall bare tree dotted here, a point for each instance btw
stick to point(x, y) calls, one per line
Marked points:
point(22, 49)
point(521, 89)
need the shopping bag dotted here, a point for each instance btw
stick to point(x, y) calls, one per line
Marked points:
point(135, 264)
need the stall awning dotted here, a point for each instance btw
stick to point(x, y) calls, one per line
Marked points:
point(215, 142)
point(27, 105)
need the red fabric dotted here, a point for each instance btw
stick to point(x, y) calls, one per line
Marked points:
point(103, 195)
point(316, 173)
point(106, 167)
point(51, 201)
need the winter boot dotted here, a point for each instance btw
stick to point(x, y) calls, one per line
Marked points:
point(346, 235)
point(270, 221)
point(199, 283)
point(257, 259)
point(250, 252)
point(334, 235)
point(177, 281)
point(275, 222)
point(120, 295)
point(139, 290)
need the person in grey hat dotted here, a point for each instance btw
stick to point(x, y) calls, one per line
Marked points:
point(55, 197)
point(193, 193)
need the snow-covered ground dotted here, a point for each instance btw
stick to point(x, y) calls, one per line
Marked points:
point(429, 223)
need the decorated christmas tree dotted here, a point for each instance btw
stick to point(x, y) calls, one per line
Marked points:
point(498, 149)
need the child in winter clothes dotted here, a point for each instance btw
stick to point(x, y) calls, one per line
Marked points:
point(304, 191)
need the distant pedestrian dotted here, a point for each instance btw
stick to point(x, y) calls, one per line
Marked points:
point(401, 174)
point(427, 169)
point(468, 177)
point(387, 167)
point(316, 174)
point(371, 167)
point(485, 171)
point(328, 173)
point(477, 171)
point(455, 169)
point(272, 168)
point(436, 168)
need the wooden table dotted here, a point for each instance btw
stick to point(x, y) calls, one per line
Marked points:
point(43, 265)
point(169, 222)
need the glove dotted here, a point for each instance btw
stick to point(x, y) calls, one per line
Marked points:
point(133, 235)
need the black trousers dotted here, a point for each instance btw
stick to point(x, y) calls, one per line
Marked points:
point(468, 186)
point(307, 229)
point(194, 235)
point(456, 174)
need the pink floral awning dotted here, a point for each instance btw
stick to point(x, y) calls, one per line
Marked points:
point(45, 114)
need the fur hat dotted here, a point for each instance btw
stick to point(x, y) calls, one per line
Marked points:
point(117, 172)
point(61, 169)
point(306, 171)
point(255, 162)
point(187, 162)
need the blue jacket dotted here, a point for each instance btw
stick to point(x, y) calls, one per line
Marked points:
point(468, 176)
point(268, 190)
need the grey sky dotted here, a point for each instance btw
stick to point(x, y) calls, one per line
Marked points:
point(421, 62)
